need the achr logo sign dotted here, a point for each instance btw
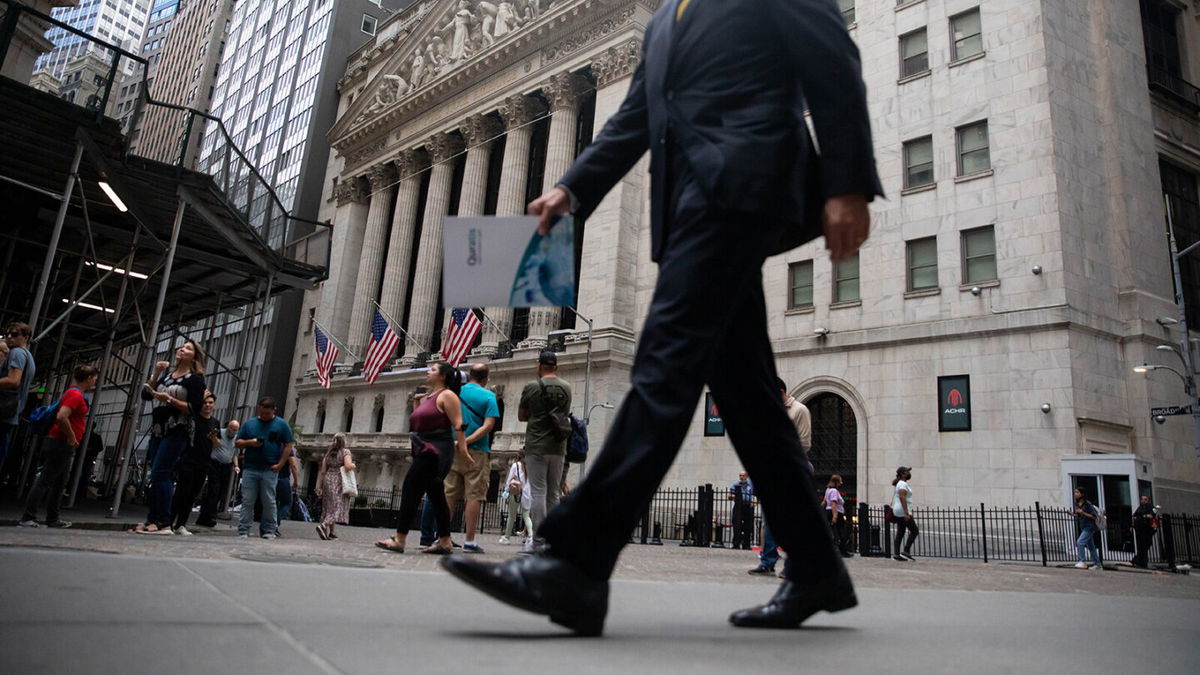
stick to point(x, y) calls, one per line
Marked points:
point(713, 424)
point(954, 403)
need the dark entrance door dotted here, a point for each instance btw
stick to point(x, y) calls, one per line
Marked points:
point(834, 441)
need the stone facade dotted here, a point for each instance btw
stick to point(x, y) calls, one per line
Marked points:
point(1069, 188)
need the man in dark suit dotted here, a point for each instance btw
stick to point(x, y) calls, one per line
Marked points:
point(718, 98)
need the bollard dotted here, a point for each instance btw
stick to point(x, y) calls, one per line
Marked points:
point(864, 529)
point(656, 540)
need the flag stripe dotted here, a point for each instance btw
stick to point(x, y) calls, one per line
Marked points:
point(327, 355)
point(382, 346)
point(464, 326)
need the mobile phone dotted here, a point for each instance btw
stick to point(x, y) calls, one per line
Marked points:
point(148, 388)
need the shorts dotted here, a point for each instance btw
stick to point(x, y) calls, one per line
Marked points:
point(469, 484)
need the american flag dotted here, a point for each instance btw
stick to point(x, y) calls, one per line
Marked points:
point(327, 355)
point(464, 326)
point(382, 346)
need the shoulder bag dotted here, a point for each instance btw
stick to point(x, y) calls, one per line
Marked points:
point(560, 423)
point(349, 482)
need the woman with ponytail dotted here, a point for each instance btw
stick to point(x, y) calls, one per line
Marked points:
point(335, 506)
point(438, 433)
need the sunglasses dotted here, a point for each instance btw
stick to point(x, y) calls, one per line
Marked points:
point(14, 333)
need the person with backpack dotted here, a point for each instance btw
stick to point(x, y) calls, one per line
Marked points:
point(1087, 519)
point(545, 405)
point(58, 449)
point(16, 374)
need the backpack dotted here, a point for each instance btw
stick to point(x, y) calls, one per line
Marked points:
point(41, 420)
point(1101, 521)
point(577, 442)
point(562, 426)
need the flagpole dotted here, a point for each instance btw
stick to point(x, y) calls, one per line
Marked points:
point(396, 325)
point(493, 324)
point(331, 336)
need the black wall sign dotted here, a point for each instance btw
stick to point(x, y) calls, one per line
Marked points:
point(713, 424)
point(954, 403)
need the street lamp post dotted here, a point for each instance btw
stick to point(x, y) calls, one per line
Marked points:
point(1185, 343)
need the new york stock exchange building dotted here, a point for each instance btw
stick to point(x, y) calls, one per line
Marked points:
point(985, 335)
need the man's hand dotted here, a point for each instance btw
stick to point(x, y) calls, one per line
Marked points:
point(276, 468)
point(555, 202)
point(847, 223)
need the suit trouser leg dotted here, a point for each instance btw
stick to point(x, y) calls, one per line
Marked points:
point(709, 274)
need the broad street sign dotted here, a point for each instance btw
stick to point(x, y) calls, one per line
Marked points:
point(1171, 410)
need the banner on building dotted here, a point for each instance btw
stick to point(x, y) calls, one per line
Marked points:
point(713, 424)
point(503, 262)
point(954, 403)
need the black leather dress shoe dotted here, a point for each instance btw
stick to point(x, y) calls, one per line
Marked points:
point(794, 602)
point(540, 584)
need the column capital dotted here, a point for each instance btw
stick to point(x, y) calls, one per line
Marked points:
point(443, 146)
point(562, 90)
point(380, 176)
point(617, 62)
point(519, 110)
point(478, 129)
point(349, 189)
point(410, 162)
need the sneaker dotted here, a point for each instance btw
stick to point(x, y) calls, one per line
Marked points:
point(502, 540)
point(182, 531)
point(29, 522)
point(269, 536)
point(899, 558)
point(1081, 565)
point(762, 570)
point(161, 530)
point(472, 547)
point(907, 556)
point(60, 524)
point(243, 536)
point(1098, 567)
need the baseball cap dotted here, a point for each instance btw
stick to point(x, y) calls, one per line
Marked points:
point(903, 469)
point(548, 358)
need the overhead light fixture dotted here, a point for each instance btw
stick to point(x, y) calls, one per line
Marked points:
point(1166, 321)
point(112, 196)
point(89, 306)
point(118, 270)
point(821, 331)
point(1144, 368)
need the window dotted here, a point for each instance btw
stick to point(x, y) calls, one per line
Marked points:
point(979, 255)
point(973, 154)
point(368, 24)
point(922, 264)
point(847, 7)
point(845, 280)
point(800, 281)
point(965, 34)
point(914, 53)
point(1161, 34)
point(1182, 191)
point(349, 419)
point(918, 162)
point(379, 420)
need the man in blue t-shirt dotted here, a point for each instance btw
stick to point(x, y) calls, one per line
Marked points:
point(265, 442)
point(16, 374)
point(480, 413)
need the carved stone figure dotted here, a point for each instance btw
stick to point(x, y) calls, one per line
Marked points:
point(506, 19)
point(393, 87)
point(418, 69)
point(461, 25)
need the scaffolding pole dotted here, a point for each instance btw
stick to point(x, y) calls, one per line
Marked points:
point(52, 248)
point(126, 450)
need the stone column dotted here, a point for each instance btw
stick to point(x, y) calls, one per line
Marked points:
point(562, 90)
point(409, 166)
point(349, 226)
point(380, 177)
point(608, 269)
point(479, 132)
point(517, 112)
point(442, 146)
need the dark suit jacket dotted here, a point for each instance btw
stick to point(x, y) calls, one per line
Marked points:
point(725, 87)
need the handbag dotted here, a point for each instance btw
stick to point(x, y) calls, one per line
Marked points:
point(560, 423)
point(888, 516)
point(349, 482)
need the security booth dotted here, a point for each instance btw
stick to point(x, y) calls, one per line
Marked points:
point(1115, 484)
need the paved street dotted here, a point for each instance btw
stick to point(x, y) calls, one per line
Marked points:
point(105, 601)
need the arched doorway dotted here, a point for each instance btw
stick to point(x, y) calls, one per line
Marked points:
point(834, 441)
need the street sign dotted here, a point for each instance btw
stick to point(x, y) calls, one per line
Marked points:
point(1171, 410)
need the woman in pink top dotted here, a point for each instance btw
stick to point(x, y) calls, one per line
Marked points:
point(437, 433)
point(835, 508)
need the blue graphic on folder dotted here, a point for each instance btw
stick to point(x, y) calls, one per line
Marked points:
point(546, 274)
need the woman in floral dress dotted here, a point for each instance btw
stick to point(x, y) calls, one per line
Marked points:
point(335, 506)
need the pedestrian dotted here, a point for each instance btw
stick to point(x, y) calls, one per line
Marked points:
point(1145, 524)
point(179, 394)
point(542, 400)
point(1086, 515)
point(801, 419)
point(220, 471)
point(517, 498)
point(741, 492)
point(438, 436)
point(835, 508)
point(58, 450)
point(734, 179)
point(335, 504)
point(470, 483)
point(16, 374)
point(285, 490)
point(265, 442)
point(902, 511)
point(192, 468)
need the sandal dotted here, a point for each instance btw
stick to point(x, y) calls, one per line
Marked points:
point(145, 529)
point(438, 550)
point(137, 529)
point(322, 533)
point(390, 544)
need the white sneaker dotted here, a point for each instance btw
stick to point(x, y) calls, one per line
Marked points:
point(1081, 565)
point(243, 536)
point(503, 540)
point(1098, 567)
point(182, 531)
point(269, 536)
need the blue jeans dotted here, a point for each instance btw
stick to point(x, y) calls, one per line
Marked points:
point(258, 483)
point(770, 548)
point(1087, 542)
point(162, 478)
point(283, 497)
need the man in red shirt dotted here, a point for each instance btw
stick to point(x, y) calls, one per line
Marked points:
point(58, 449)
